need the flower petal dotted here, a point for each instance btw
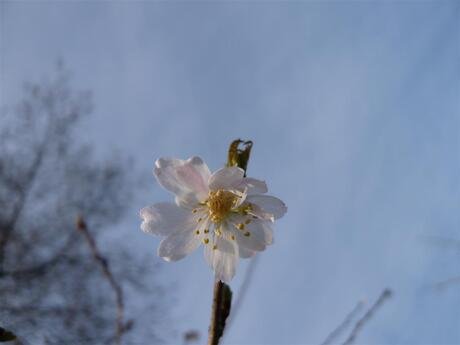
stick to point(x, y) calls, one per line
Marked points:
point(183, 177)
point(268, 233)
point(164, 219)
point(224, 259)
point(179, 245)
point(268, 204)
point(253, 186)
point(226, 178)
point(246, 253)
point(252, 236)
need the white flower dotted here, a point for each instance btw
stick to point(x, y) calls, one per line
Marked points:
point(227, 212)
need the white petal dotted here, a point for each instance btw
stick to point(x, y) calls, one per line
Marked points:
point(268, 204)
point(179, 245)
point(261, 214)
point(253, 186)
point(224, 259)
point(268, 232)
point(164, 219)
point(252, 237)
point(246, 253)
point(226, 178)
point(183, 177)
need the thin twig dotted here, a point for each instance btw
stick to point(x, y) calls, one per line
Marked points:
point(361, 322)
point(241, 292)
point(446, 283)
point(344, 324)
point(104, 265)
point(221, 305)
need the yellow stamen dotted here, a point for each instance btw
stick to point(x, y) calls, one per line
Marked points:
point(233, 237)
point(214, 246)
point(197, 232)
point(247, 234)
point(205, 240)
point(220, 203)
point(206, 231)
point(240, 226)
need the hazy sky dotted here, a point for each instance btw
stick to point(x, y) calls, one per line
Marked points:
point(354, 108)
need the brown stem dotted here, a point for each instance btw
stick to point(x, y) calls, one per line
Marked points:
point(104, 265)
point(221, 305)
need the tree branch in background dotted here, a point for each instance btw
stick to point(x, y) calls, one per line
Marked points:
point(361, 322)
point(242, 291)
point(104, 265)
point(344, 324)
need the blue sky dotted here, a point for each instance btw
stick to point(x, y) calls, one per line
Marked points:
point(354, 109)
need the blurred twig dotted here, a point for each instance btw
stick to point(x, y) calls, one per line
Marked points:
point(444, 284)
point(104, 265)
point(242, 291)
point(361, 322)
point(344, 324)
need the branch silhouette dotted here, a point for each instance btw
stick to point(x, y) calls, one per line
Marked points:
point(104, 265)
point(344, 324)
point(387, 293)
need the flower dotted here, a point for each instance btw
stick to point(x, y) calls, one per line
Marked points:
point(226, 212)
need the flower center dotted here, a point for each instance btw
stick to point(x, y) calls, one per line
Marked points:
point(220, 203)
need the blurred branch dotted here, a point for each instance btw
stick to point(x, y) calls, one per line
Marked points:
point(242, 291)
point(447, 243)
point(8, 228)
point(446, 283)
point(104, 265)
point(42, 268)
point(344, 324)
point(361, 322)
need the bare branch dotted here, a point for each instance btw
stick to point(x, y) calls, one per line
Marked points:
point(361, 322)
point(344, 324)
point(104, 265)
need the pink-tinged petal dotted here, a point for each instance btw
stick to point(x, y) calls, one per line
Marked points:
point(183, 177)
point(246, 253)
point(226, 178)
point(223, 260)
point(253, 186)
point(164, 219)
point(179, 245)
point(268, 204)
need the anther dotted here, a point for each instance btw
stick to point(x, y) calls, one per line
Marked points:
point(233, 237)
point(240, 226)
point(197, 232)
point(214, 246)
point(206, 231)
point(247, 221)
point(194, 210)
point(247, 234)
point(205, 240)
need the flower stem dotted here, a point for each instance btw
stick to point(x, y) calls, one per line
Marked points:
point(221, 305)
point(222, 300)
